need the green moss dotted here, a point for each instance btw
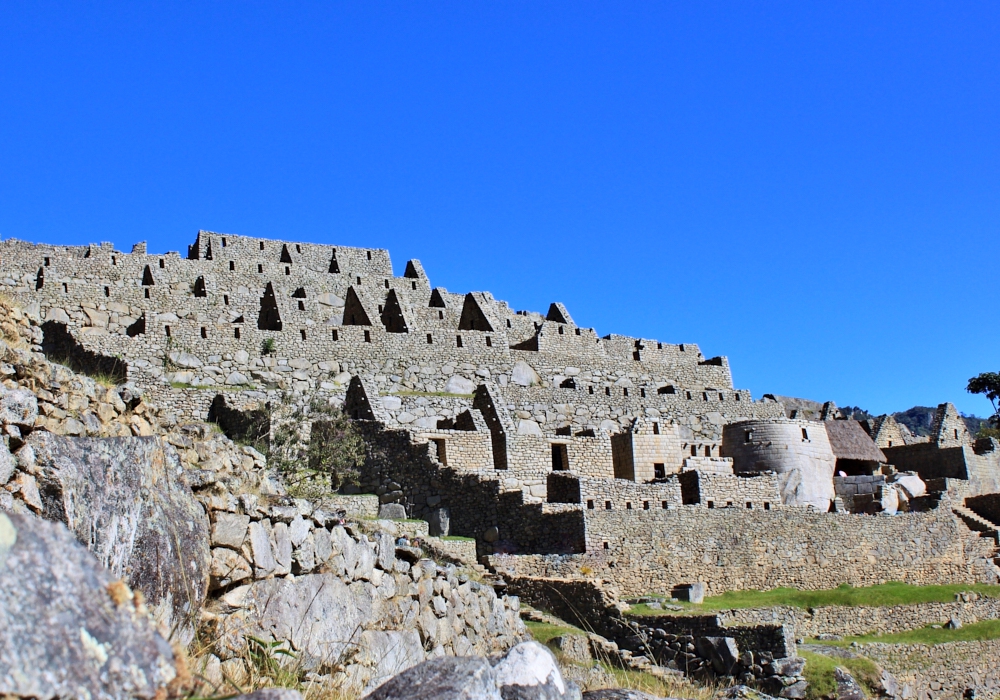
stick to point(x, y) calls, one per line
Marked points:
point(819, 673)
point(887, 594)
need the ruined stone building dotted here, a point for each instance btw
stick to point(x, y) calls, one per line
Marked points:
point(561, 451)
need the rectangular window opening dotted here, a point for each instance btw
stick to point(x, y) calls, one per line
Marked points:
point(591, 389)
point(369, 255)
point(560, 460)
point(440, 315)
point(107, 291)
point(805, 434)
point(288, 270)
point(65, 288)
point(440, 450)
point(656, 428)
point(659, 471)
point(767, 506)
point(749, 505)
point(262, 245)
point(663, 505)
point(747, 435)
point(260, 268)
point(607, 505)
point(645, 505)
point(166, 329)
point(642, 393)
point(47, 262)
point(628, 505)
point(489, 342)
point(710, 504)
point(204, 332)
point(225, 299)
point(146, 292)
point(606, 545)
point(334, 333)
point(232, 265)
point(387, 284)
point(560, 330)
point(607, 391)
point(430, 339)
point(303, 332)
point(302, 305)
point(414, 284)
point(223, 242)
point(236, 333)
point(625, 392)
point(578, 331)
point(590, 504)
point(458, 341)
point(368, 336)
point(298, 248)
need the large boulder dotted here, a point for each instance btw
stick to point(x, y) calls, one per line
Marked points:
point(126, 500)
point(524, 375)
point(68, 628)
point(448, 678)
point(722, 652)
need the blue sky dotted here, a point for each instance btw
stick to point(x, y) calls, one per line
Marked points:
point(812, 189)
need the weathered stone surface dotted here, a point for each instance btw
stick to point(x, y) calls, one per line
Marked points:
point(447, 678)
point(67, 628)
point(721, 651)
point(574, 647)
point(228, 567)
point(392, 511)
point(621, 694)
point(185, 359)
point(529, 672)
point(457, 384)
point(387, 654)
point(271, 694)
point(523, 374)
point(126, 501)
point(439, 522)
point(847, 687)
point(7, 464)
point(320, 615)
point(229, 529)
point(18, 407)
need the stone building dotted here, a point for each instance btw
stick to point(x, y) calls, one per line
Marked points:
point(537, 436)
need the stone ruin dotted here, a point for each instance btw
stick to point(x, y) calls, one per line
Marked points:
point(563, 453)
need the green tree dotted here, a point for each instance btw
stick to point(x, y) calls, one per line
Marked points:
point(315, 446)
point(988, 384)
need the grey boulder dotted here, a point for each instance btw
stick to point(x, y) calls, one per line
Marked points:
point(445, 678)
point(392, 511)
point(722, 652)
point(67, 627)
point(126, 500)
point(529, 672)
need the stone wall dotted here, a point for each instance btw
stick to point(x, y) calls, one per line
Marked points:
point(737, 549)
point(942, 671)
point(861, 620)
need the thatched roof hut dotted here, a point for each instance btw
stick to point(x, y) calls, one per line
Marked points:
point(850, 441)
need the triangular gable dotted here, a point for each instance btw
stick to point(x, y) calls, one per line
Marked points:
point(437, 299)
point(269, 318)
point(354, 311)
point(147, 277)
point(392, 314)
point(414, 270)
point(285, 256)
point(361, 401)
point(559, 314)
point(474, 317)
point(334, 265)
point(885, 432)
point(948, 429)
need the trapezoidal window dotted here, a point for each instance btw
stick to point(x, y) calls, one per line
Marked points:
point(656, 428)
point(805, 434)
point(747, 435)
point(334, 334)
point(262, 245)
point(40, 278)
point(260, 268)
point(298, 248)
point(368, 336)
point(145, 292)
point(199, 287)
point(223, 242)
point(225, 299)
point(232, 266)
point(161, 263)
point(440, 450)
point(236, 333)
point(414, 285)
point(204, 332)
point(302, 305)
point(47, 262)
point(269, 318)
point(354, 312)
point(489, 342)
point(560, 458)
point(369, 255)
point(303, 333)
point(458, 341)
point(430, 339)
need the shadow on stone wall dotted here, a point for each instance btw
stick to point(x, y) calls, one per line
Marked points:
point(248, 427)
point(61, 347)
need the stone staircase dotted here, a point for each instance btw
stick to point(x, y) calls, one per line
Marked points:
point(984, 527)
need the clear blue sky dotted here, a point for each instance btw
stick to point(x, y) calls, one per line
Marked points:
point(811, 188)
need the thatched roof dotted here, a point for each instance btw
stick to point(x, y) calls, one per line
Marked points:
point(850, 441)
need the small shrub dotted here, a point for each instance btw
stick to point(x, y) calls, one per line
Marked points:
point(267, 347)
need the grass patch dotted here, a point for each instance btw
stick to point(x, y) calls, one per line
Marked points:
point(886, 594)
point(819, 673)
point(544, 632)
point(975, 632)
point(658, 687)
point(434, 393)
point(213, 387)
point(457, 538)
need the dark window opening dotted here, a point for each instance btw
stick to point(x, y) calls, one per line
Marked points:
point(722, 396)
point(663, 504)
point(65, 288)
point(704, 395)
point(440, 450)
point(805, 434)
point(236, 333)
point(146, 292)
point(710, 504)
point(656, 428)
point(302, 305)
point(749, 505)
point(225, 299)
point(166, 329)
point(666, 390)
point(334, 333)
point(606, 545)
point(199, 289)
point(387, 284)
point(560, 458)
point(729, 504)
point(223, 242)
point(956, 433)
point(232, 266)
point(508, 323)
point(47, 262)
point(645, 505)
point(359, 280)
point(708, 450)
point(578, 331)
point(260, 268)
point(625, 392)
point(303, 332)
point(298, 248)
point(458, 341)
point(368, 336)
point(747, 435)
point(414, 285)
point(369, 255)
point(380, 308)
point(107, 291)
point(440, 315)
point(560, 330)
point(489, 342)
point(591, 389)
point(147, 277)
point(590, 504)
point(288, 270)
point(204, 332)
point(607, 505)
point(659, 471)
point(767, 506)
point(737, 397)
point(607, 391)
point(430, 339)
point(114, 260)
point(642, 393)
point(628, 505)
point(694, 450)
point(688, 395)
point(285, 257)
point(262, 245)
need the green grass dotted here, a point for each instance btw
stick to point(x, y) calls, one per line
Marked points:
point(544, 632)
point(975, 632)
point(433, 393)
point(819, 673)
point(214, 387)
point(887, 594)
point(457, 538)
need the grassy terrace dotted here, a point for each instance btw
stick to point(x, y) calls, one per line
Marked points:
point(887, 594)
point(976, 632)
